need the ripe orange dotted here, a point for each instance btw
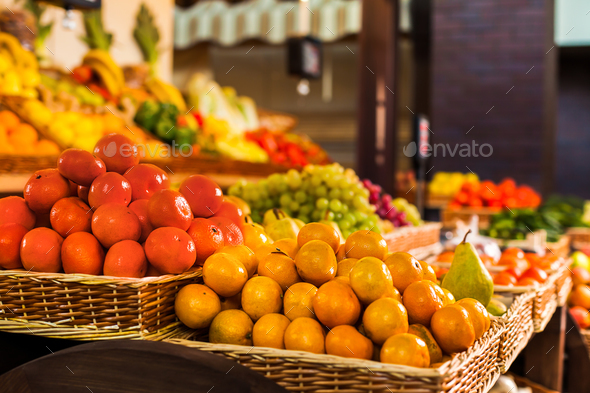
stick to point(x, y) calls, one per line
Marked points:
point(231, 303)
point(145, 180)
point(11, 236)
point(203, 195)
point(370, 279)
point(345, 266)
point(70, 215)
point(281, 268)
point(126, 259)
point(14, 209)
point(196, 305)
point(478, 314)
point(170, 250)
point(117, 151)
point(316, 262)
point(244, 255)
point(422, 301)
point(139, 207)
point(298, 300)
point(9, 120)
point(319, 231)
point(82, 253)
point(261, 296)
point(362, 244)
point(433, 348)
point(405, 269)
point(384, 318)
point(288, 246)
point(580, 276)
point(40, 250)
point(83, 193)
point(167, 208)
point(80, 166)
point(254, 236)
point(44, 188)
point(23, 135)
point(112, 223)
point(230, 211)
point(580, 296)
point(452, 328)
point(305, 334)
point(207, 237)
point(109, 187)
point(428, 271)
point(449, 297)
point(231, 327)
point(225, 274)
point(405, 349)
point(269, 331)
point(232, 234)
point(336, 304)
point(347, 342)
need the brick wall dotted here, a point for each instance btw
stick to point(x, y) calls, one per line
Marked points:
point(480, 50)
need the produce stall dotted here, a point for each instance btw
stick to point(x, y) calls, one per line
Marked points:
point(214, 236)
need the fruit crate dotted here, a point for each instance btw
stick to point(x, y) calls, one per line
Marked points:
point(85, 307)
point(475, 370)
point(563, 284)
point(580, 237)
point(413, 238)
point(518, 329)
point(437, 201)
point(451, 216)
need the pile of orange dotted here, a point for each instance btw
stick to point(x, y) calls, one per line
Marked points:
point(322, 294)
point(22, 139)
point(105, 213)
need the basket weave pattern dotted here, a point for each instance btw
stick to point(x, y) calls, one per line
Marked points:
point(518, 329)
point(410, 238)
point(545, 303)
point(474, 370)
point(98, 303)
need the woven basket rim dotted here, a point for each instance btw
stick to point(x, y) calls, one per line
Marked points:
point(88, 279)
point(445, 370)
point(426, 226)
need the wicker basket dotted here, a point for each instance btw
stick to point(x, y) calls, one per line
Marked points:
point(560, 248)
point(544, 303)
point(563, 284)
point(580, 237)
point(518, 329)
point(474, 370)
point(451, 216)
point(90, 307)
point(412, 238)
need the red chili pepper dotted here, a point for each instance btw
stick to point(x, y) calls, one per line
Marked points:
point(82, 74)
point(268, 143)
point(198, 118)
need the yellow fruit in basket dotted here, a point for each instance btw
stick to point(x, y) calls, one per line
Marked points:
point(23, 135)
point(298, 300)
point(47, 148)
point(316, 262)
point(11, 84)
point(319, 231)
point(347, 342)
point(362, 244)
point(86, 143)
point(370, 279)
point(225, 274)
point(449, 297)
point(405, 349)
point(452, 328)
point(384, 318)
point(428, 271)
point(336, 304)
point(279, 267)
point(196, 305)
point(269, 331)
point(244, 255)
point(231, 327)
point(305, 334)
point(38, 113)
point(261, 296)
point(288, 246)
point(480, 318)
point(433, 348)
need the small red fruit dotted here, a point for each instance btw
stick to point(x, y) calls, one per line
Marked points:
point(118, 152)
point(109, 188)
point(80, 166)
point(167, 208)
point(232, 234)
point(207, 236)
point(203, 195)
point(231, 211)
point(11, 236)
point(145, 180)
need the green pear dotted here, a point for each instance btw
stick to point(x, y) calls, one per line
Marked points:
point(467, 276)
point(496, 308)
point(272, 215)
point(285, 228)
point(299, 223)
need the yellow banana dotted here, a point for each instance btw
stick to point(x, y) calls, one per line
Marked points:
point(166, 93)
point(101, 56)
point(105, 74)
point(29, 61)
point(12, 46)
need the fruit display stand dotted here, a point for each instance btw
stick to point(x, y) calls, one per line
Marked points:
point(450, 216)
point(85, 307)
point(474, 370)
point(420, 241)
point(580, 237)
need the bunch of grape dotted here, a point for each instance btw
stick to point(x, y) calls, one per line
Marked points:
point(317, 193)
point(385, 208)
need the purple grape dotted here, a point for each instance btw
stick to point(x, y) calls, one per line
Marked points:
point(373, 197)
point(381, 212)
point(392, 214)
point(386, 198)
point(376, 188)
point(367, 183)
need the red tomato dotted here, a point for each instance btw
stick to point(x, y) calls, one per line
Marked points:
point(514, 271)
point(203, 195)
point(536, 274)
point(517, 252)
point(525, 282)
point(505, 278)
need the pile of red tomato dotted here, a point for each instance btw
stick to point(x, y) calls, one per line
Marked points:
point(488, 194)
point(289, 149)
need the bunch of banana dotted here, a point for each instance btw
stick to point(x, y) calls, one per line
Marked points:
point(165, 92)
point(108, 71)
point(19, 70)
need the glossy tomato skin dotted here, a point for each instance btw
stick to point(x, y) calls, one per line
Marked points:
point(231, 211)
point(525, 282)
point(145, 180)
point(536, 274)
point(109, 187)
point(118, 152)
point(505, 278)
point(232, 234)
point(203, 195)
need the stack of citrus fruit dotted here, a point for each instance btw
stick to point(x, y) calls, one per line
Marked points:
point(21, 138)
point(107, 214)
point(322, 294)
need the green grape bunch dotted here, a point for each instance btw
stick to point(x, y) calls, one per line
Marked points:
point(317, 193)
